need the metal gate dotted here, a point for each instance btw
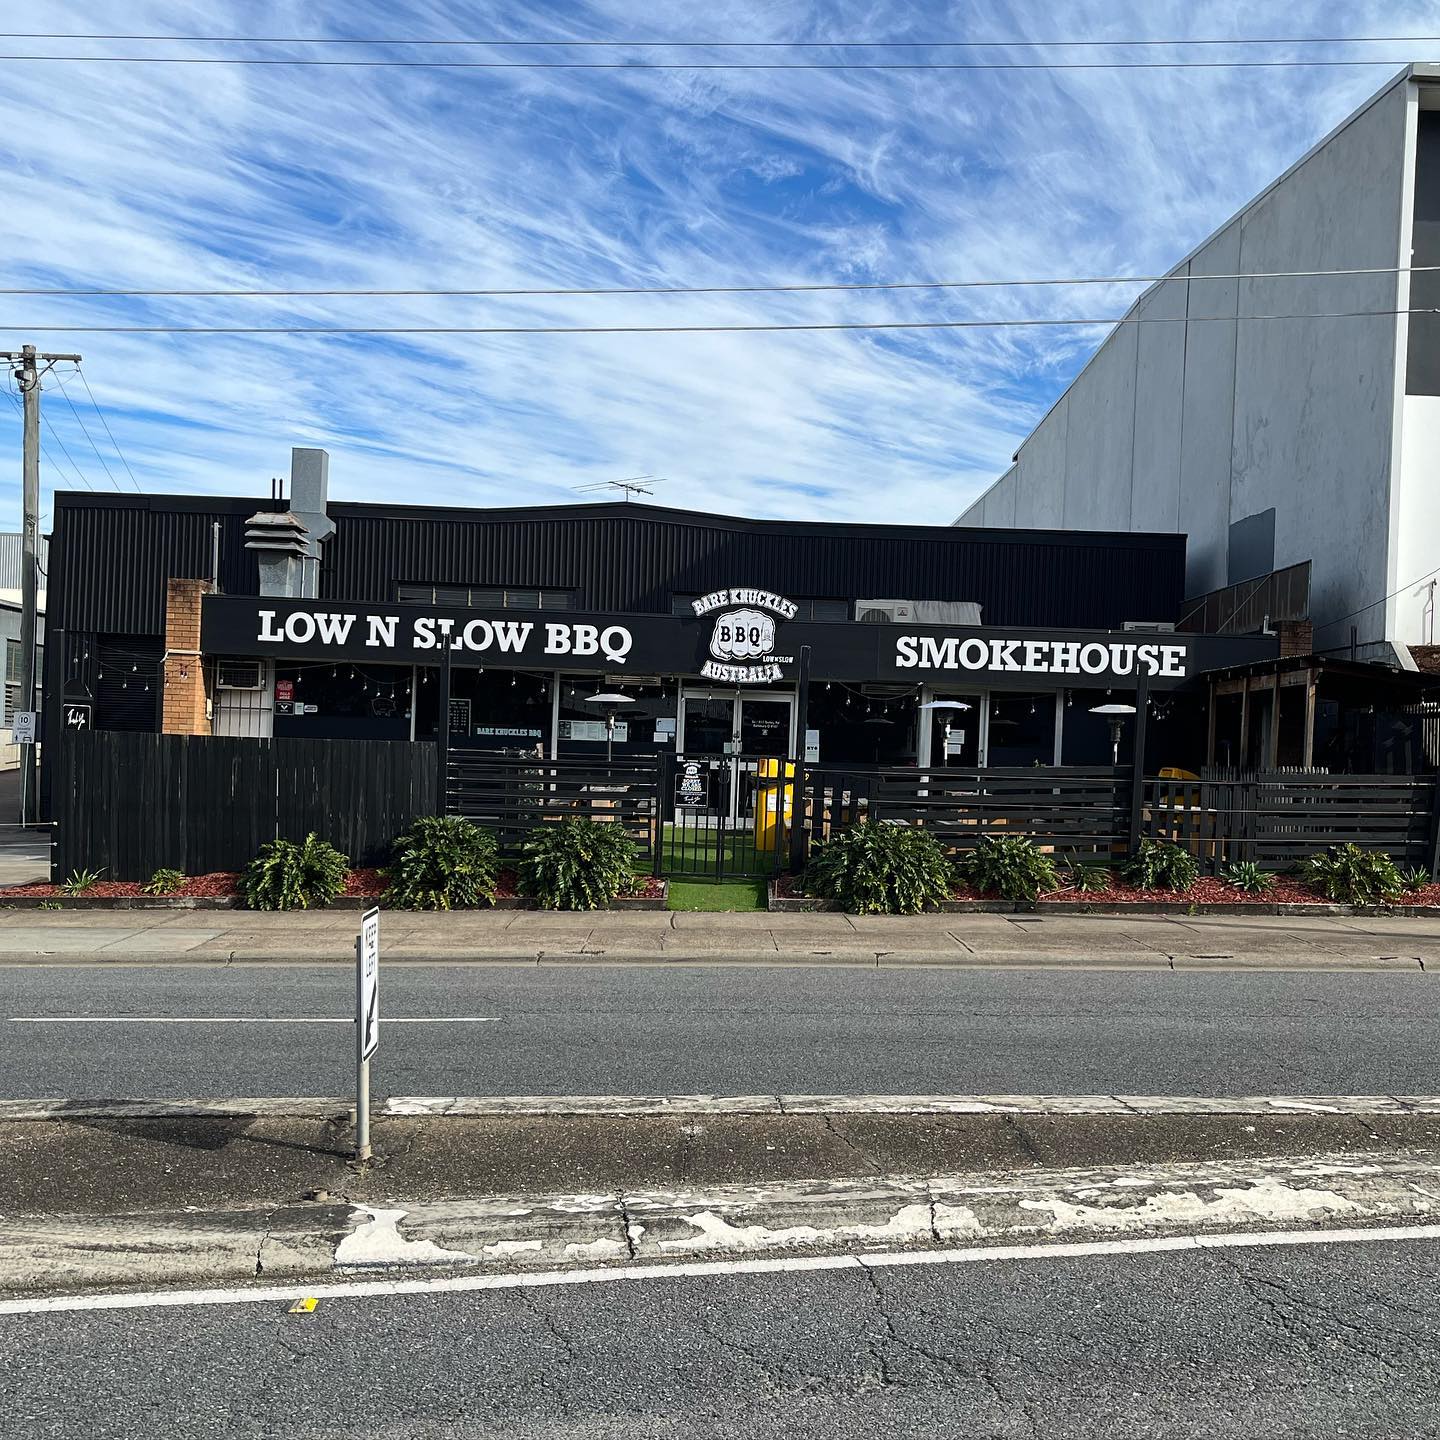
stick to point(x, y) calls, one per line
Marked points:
point(726, 816)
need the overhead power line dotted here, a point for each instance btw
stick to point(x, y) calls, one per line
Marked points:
point(795, 289)
point(510, 43)
point(85, 431)
point(367, 63)
point(698, 329)
point(85, 381)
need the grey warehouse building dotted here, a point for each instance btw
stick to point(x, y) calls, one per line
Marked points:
point(1289, 427)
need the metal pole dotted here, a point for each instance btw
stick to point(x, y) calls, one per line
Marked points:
point(1137, 761)
point(442, 735)
point(798, 831)
point(27, 376)
point(362, 1065)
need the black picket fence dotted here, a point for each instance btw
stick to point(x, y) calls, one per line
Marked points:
point(128, 802)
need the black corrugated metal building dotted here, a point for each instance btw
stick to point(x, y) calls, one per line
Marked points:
point(111, 558)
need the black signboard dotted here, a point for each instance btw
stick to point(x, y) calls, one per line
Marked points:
point(746, 641)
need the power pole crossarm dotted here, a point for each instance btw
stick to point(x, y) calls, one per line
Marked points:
point(29, 367)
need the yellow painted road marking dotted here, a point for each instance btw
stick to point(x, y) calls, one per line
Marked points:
point(303, 1307)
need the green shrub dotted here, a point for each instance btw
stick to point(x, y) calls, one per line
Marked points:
point(287, 876)
point(442, 862)
point(1247, 876)
point(1162, 865)
point(880, 868)
point(577, 864)
point(1011, 866)
point(1087, 878)
point(1414, 877)
point(164, 882)
point(1352, 876)
point(81, 882)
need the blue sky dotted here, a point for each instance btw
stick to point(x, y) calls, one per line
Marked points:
point(174, 177)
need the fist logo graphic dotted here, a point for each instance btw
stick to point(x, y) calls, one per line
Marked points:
point(742, 635)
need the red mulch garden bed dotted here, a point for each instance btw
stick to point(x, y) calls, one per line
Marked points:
point(366, 884)
point(1206, 891)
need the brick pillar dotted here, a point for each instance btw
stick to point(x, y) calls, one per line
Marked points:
point(184, 710)
point(1297, 637)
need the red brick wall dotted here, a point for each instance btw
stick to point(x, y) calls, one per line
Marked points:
point(184, 710)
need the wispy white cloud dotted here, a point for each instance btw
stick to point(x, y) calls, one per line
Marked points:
point(194, 177)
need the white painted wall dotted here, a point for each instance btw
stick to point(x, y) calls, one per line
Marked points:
point(1417, 549)
point(1190, 426)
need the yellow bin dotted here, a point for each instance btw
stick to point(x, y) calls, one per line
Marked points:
point(774, 789)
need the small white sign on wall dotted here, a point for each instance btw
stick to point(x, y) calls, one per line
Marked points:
point(22, 727)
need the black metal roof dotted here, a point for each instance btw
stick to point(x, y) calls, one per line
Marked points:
point(112, 554)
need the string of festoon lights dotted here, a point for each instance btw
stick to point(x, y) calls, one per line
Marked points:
point(140, 671)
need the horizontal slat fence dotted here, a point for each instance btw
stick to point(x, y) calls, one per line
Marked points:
point(128, 802)
point(511, 795)
point(1069, 809)
point(1280, 818)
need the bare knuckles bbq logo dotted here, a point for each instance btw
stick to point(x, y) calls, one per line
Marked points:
point(742, 642)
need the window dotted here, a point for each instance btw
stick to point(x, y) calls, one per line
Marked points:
point(486, 597)
point(12, 678)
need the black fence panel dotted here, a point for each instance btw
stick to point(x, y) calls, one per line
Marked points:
point(511, 795)
point(1073, 810)
point(128, 803)
point(1277, 819)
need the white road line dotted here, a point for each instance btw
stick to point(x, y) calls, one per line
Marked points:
point(247, 1019)
point(359, 1290)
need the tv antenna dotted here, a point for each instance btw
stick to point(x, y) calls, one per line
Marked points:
point(631, 485)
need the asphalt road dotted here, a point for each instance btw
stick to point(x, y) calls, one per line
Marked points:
point(1321, 1341)
point(736, 1030)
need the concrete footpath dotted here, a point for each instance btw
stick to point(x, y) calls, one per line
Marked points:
point(520, 936)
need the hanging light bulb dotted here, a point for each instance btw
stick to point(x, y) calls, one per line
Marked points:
point(352, 672)
point(333, 671)
point(133, 667)
point(124, 684)
point(513, 682)
point(1032, 707)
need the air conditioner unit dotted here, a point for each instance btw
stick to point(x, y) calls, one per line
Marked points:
point(1152, 627)
point(240, 675)
point(884, 612)
point(918, 612)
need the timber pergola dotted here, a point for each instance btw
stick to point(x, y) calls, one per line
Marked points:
point(1349, 682)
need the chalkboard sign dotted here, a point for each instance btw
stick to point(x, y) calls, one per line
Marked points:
point(459, 717)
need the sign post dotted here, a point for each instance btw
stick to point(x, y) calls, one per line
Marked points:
point(367, 1022)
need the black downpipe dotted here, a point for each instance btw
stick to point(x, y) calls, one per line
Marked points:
point(442, 736)
point(799, 832)
point(1137, 761)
